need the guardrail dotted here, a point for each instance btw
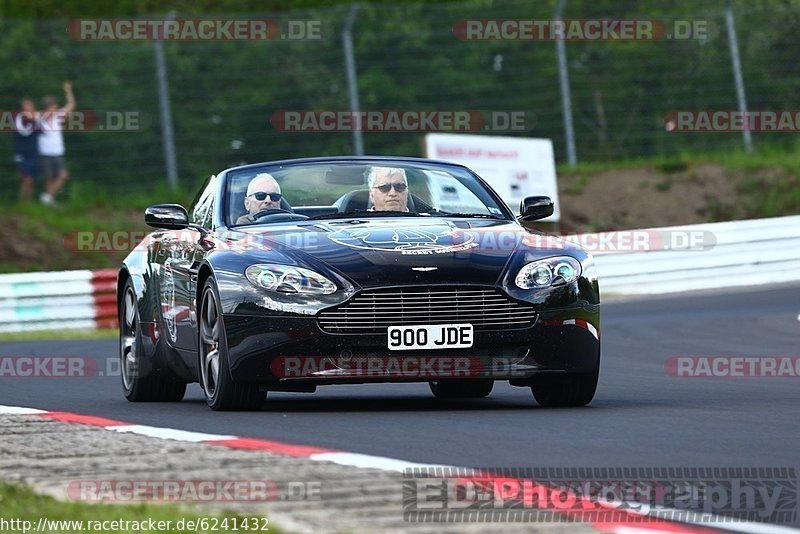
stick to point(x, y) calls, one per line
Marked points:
point(58, 300)
point(743, 253)
point(729, 254)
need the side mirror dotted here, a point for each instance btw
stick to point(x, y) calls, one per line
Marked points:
point(535, 208)
point(167, 216)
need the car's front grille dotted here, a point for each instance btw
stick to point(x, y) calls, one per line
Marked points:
point(372, 311)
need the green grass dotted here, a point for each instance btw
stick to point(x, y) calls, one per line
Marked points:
point(773, 198)
point(60, 335)
point(672, 166)
point(578, 184)
point(21, 503)
point(762, 157)
point(663, 185)
point(769, 181)
point(630, 163)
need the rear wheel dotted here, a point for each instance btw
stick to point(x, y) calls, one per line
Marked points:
point(140, 382)
point(221, 391)
point(574, 389)
point(461, 389)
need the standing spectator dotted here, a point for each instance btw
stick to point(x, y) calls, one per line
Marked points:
point(51, 144)
point(26, 148)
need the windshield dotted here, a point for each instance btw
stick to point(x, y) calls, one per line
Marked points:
point(281, 193)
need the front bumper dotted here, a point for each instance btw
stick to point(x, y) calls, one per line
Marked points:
point(284, 350)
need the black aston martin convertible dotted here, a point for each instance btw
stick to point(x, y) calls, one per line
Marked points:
point(289, 275)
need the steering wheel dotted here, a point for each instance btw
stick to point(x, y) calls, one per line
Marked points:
point(277, 215)
point(264, 213)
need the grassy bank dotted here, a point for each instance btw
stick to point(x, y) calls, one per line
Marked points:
point(65, 236)
point(767, 182)
point(23, 510)
point(680, 189)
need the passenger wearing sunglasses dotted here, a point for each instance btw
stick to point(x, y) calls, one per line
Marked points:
point(388, 189)
point(263, 193)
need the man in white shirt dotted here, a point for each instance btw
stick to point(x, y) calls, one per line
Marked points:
point(51, 143)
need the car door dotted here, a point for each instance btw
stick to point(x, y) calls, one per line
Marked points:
point(184, 265)
point(175, 260)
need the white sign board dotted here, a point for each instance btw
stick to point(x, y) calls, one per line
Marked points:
point(515, 167)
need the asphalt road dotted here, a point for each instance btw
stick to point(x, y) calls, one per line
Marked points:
point(641, 416)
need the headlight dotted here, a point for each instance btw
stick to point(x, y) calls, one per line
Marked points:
point(550, 272)
point(288, 279)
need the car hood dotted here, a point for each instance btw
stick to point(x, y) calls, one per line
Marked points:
point(403, 251)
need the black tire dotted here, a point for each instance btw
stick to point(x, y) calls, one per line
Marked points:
point(222, 392)
point(556, 391)
point(140, 383)
point(461, 389)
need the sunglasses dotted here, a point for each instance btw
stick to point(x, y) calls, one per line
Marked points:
point(385, 188)
point(261, 196)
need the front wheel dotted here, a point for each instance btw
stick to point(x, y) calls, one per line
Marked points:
point(574, 389)
point(461, 389)
point(140, 383)
point(221, 391)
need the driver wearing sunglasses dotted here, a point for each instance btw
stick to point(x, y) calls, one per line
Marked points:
point(263, 193)
point(388, 189)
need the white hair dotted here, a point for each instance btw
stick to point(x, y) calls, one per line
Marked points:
point(388, 171)
point(264, 176)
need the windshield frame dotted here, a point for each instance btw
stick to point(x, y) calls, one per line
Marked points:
point(418, 163)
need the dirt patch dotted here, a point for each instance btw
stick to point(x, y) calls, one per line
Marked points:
point(68, 240)
point(18, 245)
point(647, 197)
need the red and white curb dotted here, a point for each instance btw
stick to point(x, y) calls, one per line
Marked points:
point(58, 300)
point(632, 522)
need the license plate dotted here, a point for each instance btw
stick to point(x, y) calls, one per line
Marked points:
point(421, 336)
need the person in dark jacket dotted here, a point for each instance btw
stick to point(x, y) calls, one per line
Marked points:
point(26, 147)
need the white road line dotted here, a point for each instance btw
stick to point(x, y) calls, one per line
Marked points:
point(750, 527)
point(169, 433)
point(17, 410)
point(368, 461)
